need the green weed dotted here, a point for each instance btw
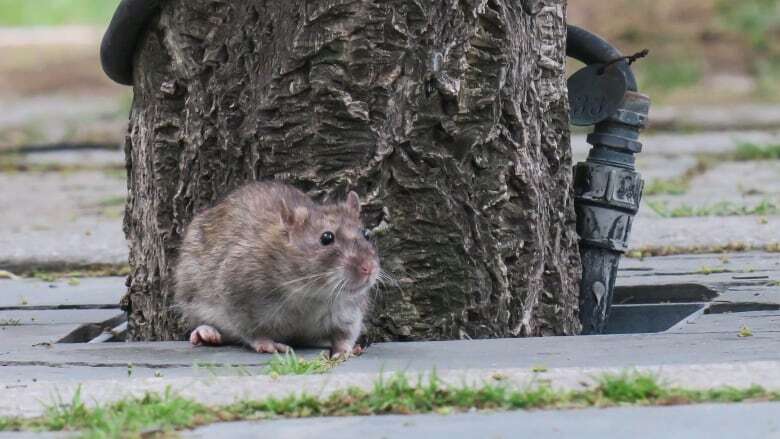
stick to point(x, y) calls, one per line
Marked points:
point(664, 76)
point(291, 364)
point(672, 186)
point(168, 412)
point(757, 20)
point(724, 208)
point(753, 151)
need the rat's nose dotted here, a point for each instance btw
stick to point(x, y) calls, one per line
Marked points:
point(366, 267)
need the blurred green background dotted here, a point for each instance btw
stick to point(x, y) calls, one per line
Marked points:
point(55, 12)
point(702, 51)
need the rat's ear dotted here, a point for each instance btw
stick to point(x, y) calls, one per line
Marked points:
point(294, 217)
point(353, 203)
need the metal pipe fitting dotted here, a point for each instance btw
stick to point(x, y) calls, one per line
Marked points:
point(607, 188)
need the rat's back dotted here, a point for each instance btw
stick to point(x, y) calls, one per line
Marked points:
point(247, 218)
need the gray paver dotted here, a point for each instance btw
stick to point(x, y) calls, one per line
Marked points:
point(61, 218)
point(141, 354)
point(704, 232)
point(716, 117)
point(30, 335)
point(586, 351)
point(655, 266)
point(27, 293)
point(745, 421)
point(740, 183)
point(680, 144)
point(56, 317)
point(758, 321)
point(583, 351)
point(22, 375)
point(659, 167)
point(85, 157)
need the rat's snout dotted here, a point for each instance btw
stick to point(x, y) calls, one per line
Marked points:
point(364, 271)
point(366, 268)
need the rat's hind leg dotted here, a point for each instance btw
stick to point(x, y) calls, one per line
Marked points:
point(266, 345)
point(206, 335)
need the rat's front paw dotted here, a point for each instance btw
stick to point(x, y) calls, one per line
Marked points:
point(206, 335)
point(344, 350)
point(268, 346)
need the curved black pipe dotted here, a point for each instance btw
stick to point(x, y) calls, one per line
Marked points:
point(120, 41)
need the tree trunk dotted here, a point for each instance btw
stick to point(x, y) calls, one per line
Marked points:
point(449, 118)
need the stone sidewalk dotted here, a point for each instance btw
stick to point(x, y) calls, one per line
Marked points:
point(744, 421)
point(707, 348)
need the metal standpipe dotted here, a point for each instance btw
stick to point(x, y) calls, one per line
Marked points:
point(607, 187)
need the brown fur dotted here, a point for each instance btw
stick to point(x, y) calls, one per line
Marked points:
point(253, 267)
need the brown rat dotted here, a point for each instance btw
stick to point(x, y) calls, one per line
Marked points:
point(268, 267)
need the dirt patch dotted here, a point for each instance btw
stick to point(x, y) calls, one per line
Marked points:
point(35, 70)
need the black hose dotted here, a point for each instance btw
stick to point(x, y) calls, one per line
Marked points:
point(120, 41)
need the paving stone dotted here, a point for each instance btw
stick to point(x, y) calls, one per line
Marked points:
point(583, 351)
point(75, 157)
point(716, 117)
point(61, 218)
point(16, 376)
point(88, 292)
point(658, 266)
point(759, 321)
point(558, 352)
point(140, 354)
point(758, 420)
point(704, 232)
point(55, 316)
point(750, 280)
point(657, 167)
point(679, 144)
point(740, 183)
point(24, 336)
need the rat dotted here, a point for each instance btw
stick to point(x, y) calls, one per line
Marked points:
point(268, 267)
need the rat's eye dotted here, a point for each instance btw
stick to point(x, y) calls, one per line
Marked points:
point(366, 234)
point(327, 238)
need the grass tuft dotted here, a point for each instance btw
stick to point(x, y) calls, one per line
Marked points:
point(725, 208)
point(753, 151)
point(394, 395)
point(672, 186)
point(630, 388)
point(291, 364)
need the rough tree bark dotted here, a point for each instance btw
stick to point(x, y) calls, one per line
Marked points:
point(449, 117)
